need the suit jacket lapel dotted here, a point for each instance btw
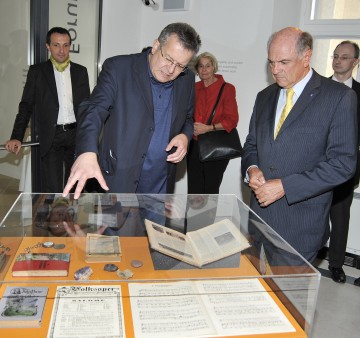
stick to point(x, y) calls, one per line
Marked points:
point(142, 80)
point(50, 77)
point(273, 112)
point(310, 91)
point(178, 94)
point(74, 78)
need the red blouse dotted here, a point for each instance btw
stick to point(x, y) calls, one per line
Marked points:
point(226, 111)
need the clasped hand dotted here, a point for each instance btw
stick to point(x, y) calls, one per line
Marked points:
point(266, 192)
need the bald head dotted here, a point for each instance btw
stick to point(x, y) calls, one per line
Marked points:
point(303, 41)
point(289, 54)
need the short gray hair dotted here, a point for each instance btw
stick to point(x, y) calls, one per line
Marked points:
point(188, 37)
point(209, 56)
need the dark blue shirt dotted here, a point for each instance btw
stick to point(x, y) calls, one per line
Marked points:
point(154, 172)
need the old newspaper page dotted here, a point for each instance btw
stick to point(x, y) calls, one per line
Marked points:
point(87, 311)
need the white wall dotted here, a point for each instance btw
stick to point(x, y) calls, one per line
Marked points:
point(14, 33)
point(236, 31)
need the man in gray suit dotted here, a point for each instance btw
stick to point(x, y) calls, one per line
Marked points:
point(292, 168)
point(145, 103)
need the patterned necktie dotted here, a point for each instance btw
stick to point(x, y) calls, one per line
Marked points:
point(288, 105)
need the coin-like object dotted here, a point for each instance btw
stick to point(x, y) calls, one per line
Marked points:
point(136, 263)
point(59, 246)
point(110, 267)
point(48, 244)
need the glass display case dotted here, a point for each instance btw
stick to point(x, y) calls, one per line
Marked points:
point(185, 265)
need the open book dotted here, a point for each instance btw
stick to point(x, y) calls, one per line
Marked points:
point(199, 247)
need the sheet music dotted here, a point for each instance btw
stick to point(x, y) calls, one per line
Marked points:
point(205, 308)
point(87, 311)
point(242, 307)
point(163, 310)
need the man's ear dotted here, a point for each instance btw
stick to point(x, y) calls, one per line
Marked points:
point(307, 57)
point(156, 46)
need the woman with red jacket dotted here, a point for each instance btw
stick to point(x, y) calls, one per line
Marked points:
point(206, 177)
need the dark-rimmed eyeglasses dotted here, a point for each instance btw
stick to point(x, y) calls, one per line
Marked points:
point(170, 62)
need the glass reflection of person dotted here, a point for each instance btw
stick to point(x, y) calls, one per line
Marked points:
point(60, 212)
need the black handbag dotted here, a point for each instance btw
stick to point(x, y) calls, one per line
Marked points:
point(219, 144)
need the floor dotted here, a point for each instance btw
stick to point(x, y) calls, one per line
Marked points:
point(338, 306)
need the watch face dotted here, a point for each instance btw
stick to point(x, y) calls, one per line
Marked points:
point(48, 244)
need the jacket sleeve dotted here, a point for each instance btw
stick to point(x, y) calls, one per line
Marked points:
point(338, 165)
point(229, 113)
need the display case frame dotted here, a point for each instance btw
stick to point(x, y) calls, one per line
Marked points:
point(35, 219)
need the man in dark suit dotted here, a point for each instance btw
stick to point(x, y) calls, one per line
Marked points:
point(55, 89)
point(145, 103)
point(345, 59)
point(293, 167)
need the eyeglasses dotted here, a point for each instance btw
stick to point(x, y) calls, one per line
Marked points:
point(341, 58)
point(170, 62)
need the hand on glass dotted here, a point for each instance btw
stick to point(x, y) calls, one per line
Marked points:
point(86, 166)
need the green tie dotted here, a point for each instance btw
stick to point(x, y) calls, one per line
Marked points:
point(60, 67)
point(288, 105)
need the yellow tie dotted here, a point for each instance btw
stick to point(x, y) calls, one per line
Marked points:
point(288, 105)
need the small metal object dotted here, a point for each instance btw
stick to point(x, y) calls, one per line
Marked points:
point(83, 273)
point(110, 267)
point(126, 274)
point(59, 246)
point(136, 263)
point(48, 244)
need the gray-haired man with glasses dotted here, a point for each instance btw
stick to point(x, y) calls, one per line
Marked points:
point(144, 103)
